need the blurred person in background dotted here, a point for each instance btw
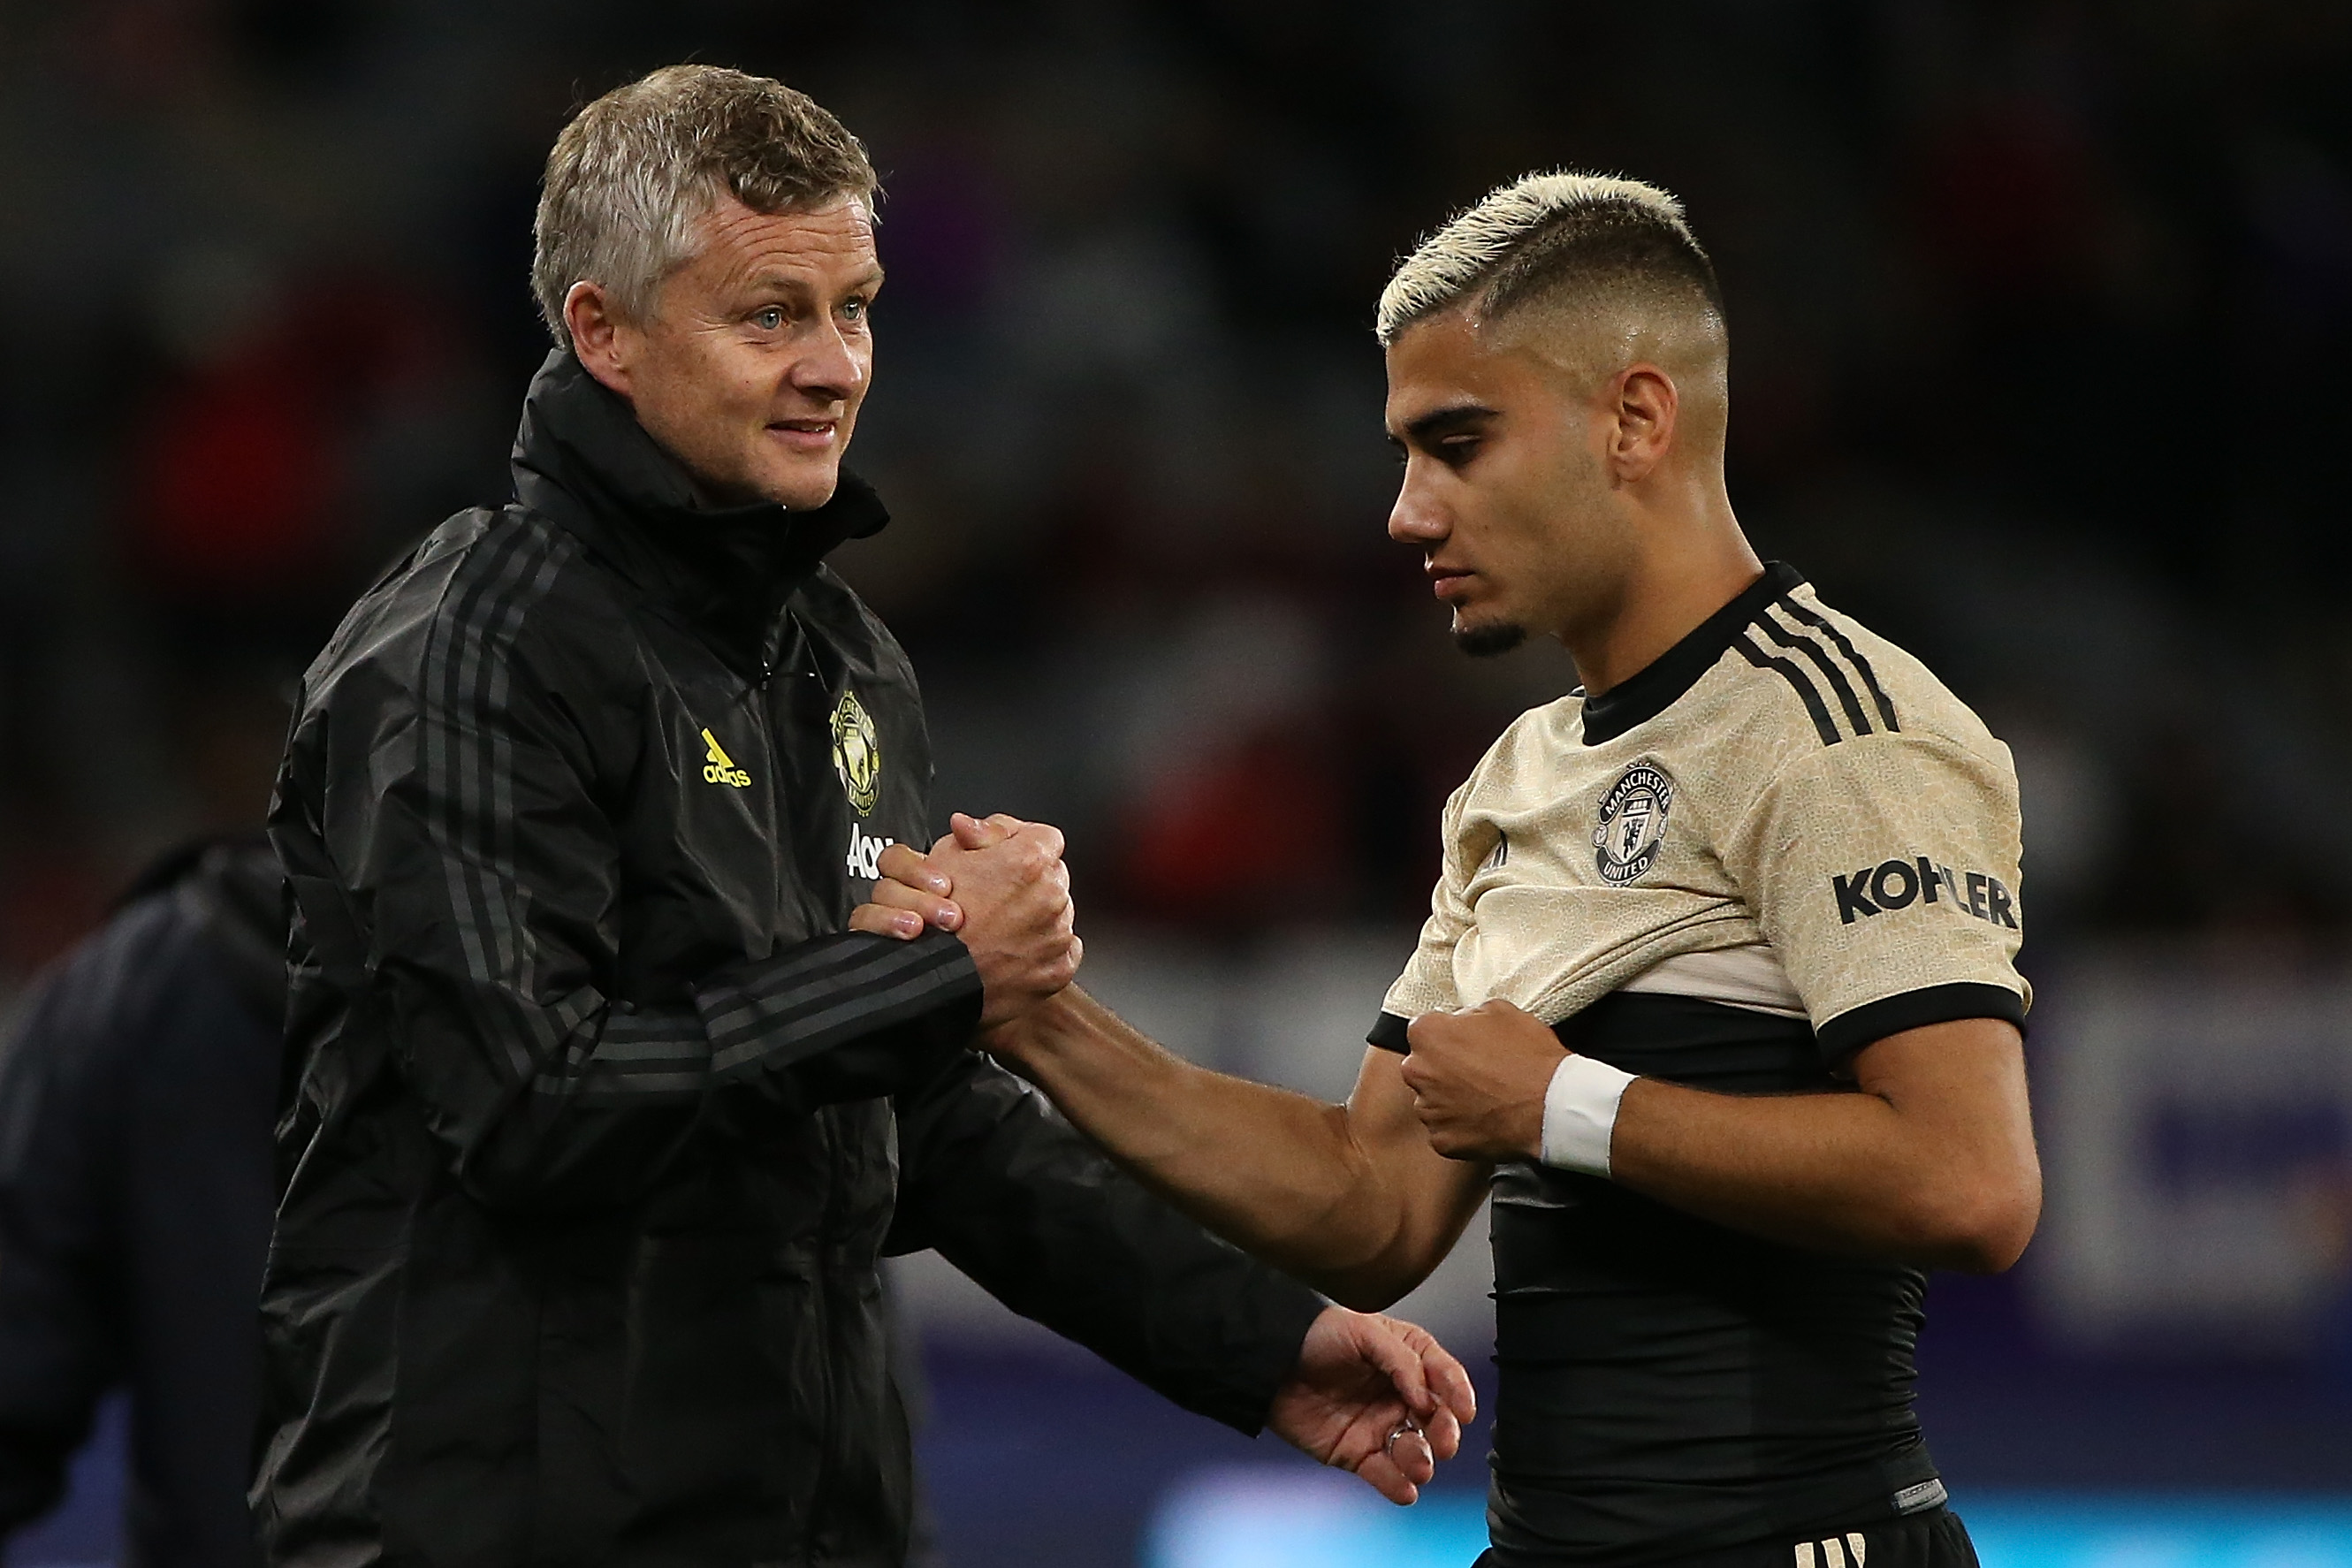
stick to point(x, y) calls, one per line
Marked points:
point(1719, 989)
point(603, 1118)
point(136, 1095)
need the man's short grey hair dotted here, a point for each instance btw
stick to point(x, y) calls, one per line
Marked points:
point(633, 176)
point(1542, 234)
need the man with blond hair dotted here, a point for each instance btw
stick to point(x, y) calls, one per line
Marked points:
point(1716, 994)
point(603, 1120)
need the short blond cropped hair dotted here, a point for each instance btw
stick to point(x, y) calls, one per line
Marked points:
point(1546, 237)
point(633, 176)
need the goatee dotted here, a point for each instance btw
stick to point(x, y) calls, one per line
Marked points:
point(1489, 641)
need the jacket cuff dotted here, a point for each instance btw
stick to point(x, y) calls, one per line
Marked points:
point(1873, 1021)
point(1290, 1310)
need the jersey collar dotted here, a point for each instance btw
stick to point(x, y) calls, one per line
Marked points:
point(1661, 683)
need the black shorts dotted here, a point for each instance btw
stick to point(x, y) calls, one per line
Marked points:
point(1935, 1538)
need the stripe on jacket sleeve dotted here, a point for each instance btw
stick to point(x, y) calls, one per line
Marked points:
point(467, 752)
point(1819, 659)
point(1854, 656)
point(1797, 681)
point(640, 1056)
point(835, 989)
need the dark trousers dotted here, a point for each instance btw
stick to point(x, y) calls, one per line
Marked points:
point(1935, 1538)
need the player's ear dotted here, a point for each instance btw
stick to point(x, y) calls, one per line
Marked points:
point(1646, 404)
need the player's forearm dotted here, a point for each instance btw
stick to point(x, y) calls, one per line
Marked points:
point(1847, 1173)
point(1275, 1173)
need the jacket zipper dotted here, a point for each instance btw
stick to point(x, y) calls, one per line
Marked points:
point(776, 731)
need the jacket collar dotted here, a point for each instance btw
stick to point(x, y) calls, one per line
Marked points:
point(581, 459)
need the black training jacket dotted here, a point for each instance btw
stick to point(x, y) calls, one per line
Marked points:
point(136, 1093)
point(602, 1120)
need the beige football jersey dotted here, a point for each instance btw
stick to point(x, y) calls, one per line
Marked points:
point(1785, 813)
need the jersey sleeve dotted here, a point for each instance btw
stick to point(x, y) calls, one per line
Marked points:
point(1427, 984)
point(1884, 870)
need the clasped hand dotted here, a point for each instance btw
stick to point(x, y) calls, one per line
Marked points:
point(999, 885)
point(1478, 1078)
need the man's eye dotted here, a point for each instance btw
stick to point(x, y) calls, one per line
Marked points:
point(853, 309)
point(769, 320)
point(1457, 451)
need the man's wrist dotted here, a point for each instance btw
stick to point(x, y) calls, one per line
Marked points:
point(1025, 1037)
point(1579, 1114)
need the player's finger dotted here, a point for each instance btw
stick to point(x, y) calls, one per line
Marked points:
point(944, 913)
point(1414, 1070)
point(1047, 834)
point(972, 833)
point(1424, 1031)
point(903, 863)
point(876, 920)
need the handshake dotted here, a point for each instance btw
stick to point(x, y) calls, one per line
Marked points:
point(1000, 886)
point(1369, 1394)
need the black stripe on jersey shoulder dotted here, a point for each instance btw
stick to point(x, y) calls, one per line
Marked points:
point(1661, 683)
point(1798, 681)
point(1828, 629)
point(1819, 656)
point(1874, 1021)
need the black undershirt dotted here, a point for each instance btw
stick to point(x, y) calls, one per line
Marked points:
point(1670, 1386)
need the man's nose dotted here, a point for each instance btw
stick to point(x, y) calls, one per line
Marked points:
point(1417, 517)
point(831, 371)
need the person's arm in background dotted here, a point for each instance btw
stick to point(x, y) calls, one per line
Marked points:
point(1349, 1198)
point(62, 1093)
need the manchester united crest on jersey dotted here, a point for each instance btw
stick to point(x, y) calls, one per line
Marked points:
point(1632, 823)
point(857, 751)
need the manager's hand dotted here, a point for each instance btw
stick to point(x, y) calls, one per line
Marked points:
point(1377, 1396)
point(1010, 904)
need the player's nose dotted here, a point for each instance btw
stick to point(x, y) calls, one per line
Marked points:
point(1417, 519)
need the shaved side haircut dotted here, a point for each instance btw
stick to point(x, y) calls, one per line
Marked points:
point(1598, 271)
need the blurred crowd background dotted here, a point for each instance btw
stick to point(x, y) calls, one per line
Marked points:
point(2040, 313)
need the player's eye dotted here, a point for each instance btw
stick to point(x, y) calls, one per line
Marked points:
point(853, 309)
point(771, 320)
point(1457, 450)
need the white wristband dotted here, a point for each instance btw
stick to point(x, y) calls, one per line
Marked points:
point(1579, 1114)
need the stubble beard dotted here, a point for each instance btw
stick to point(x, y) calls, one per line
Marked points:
point(1491, 640)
